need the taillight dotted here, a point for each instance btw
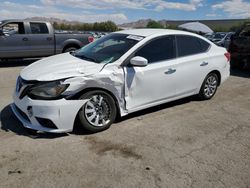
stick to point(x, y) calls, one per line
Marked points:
point(91, 39)
point(228, 56)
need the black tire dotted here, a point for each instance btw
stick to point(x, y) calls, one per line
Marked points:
point(107, 111)
point(208, 90)
point(70, 49)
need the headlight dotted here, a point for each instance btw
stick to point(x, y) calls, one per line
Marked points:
point(48, 90)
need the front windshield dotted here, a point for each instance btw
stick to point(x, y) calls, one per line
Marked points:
point(108, 48)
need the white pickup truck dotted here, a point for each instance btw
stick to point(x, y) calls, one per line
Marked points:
point(27, 38)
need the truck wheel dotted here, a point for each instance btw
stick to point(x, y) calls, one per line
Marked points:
point(99, 112)
point(69, 49)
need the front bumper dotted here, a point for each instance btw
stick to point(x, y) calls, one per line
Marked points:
point(61, 112)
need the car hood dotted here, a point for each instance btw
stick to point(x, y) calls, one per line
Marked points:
point(59, 67)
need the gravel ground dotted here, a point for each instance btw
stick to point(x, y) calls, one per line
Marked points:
point(186, 143)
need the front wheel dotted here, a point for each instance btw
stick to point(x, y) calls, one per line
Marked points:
point(99, 112)
point(209, 87)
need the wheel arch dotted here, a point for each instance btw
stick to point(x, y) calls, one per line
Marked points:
point(80, 93)
point(71, 44)
point(212, 71)
point(218, 74)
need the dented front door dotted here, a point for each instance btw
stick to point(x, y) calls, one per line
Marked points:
point(150, 84)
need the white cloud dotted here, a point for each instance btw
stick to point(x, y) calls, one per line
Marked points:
point(15, 10)
point(126, 4)
point(235, 8)
point(191, 6)
point(85, 10)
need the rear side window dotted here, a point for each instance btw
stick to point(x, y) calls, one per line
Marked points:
point(158, 50)
point(39, 28)
point(189, 45)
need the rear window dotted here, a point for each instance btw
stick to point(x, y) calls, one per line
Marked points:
point(189, 45)
point(39, 28)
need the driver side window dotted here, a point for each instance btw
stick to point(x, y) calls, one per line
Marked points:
point(13, 28)
point(159, 49)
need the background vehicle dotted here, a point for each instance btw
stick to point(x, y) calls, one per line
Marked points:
point(118, 74)
point(218, 36)
point(240, 48)
point(23, 39)
point(209, 36)
point(225, 41)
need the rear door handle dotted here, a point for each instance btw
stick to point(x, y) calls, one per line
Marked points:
point(170, 71)
point(25, 39)
point(204, 64)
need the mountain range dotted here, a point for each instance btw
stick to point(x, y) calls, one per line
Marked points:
point(143, 22)
point(211, 23)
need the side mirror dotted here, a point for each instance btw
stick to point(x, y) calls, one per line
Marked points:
point(139, 61)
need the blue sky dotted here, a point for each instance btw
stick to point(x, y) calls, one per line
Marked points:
point(121, 11)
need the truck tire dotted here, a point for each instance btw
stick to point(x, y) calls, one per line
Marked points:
point(70, 49)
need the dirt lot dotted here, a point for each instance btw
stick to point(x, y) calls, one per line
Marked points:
point(187, 143)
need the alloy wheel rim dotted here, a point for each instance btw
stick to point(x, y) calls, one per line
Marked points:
point(210, 86)
point(97, 111)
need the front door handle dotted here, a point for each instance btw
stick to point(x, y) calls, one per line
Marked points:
point(25, 39)
point(170, 71)
point(204, 63)
point(49, 38)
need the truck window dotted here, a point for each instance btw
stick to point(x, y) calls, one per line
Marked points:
point(14, 28)
point(39, 28)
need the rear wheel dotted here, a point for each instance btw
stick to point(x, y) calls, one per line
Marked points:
point(99, 112)
point(209, 87)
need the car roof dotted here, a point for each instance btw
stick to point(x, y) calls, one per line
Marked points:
point(149, 32)
point(12, 20)
point(21, 20)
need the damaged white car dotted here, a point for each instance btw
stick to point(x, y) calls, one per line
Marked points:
point(118, 74)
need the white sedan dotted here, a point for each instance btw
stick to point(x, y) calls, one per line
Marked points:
point(120, 73)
